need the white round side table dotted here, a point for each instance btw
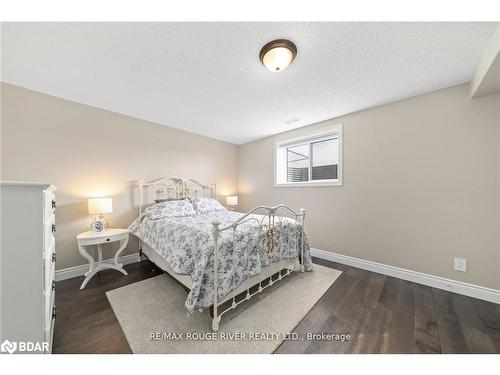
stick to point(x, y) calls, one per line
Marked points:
point(93, 238)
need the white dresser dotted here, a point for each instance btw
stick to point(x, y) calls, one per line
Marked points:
point(27, 265)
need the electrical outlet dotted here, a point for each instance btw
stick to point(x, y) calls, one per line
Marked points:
point(460, 264)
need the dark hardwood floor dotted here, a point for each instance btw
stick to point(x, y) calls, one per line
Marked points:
point(382, 314)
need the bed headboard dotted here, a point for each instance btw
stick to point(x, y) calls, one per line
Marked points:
point(197, 188)
point(173, 188)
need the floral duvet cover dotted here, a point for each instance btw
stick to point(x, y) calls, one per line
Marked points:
point(188, 246)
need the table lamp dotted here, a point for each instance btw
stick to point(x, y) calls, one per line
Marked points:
point(232, 201)
point(100, 206)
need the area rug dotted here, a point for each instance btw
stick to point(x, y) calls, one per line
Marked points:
point(152, 316)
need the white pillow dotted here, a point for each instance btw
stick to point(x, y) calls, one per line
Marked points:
point(177, 208)
point(205, 205)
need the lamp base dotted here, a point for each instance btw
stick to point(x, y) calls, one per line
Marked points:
point(99, 224)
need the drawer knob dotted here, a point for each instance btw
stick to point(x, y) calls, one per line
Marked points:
point(54, 285)
point(53, 257)
point(54, 312)
point(53, 228)
point(53, 203)
point(107, 239)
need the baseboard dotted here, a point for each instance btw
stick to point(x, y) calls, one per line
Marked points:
point(471, 290)
point(68, 273)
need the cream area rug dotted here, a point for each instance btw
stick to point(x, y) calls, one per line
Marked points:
point(152, 315)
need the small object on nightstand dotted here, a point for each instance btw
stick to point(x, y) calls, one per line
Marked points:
point(232, 201)
point(100, 206)
point(93, 238)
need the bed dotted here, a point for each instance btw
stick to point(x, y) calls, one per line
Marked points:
point(188, 234)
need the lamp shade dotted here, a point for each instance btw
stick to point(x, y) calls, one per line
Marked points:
point(100, 206)
point(232, 200)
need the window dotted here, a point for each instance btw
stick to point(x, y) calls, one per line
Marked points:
point(315, 160)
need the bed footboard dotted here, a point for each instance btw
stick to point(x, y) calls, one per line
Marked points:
point(268, 225)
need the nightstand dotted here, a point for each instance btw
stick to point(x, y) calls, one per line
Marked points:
point(93, 238)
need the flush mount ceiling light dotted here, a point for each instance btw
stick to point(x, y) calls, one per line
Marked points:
point(278, 54)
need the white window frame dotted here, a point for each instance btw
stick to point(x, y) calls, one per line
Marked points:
point(334, 130)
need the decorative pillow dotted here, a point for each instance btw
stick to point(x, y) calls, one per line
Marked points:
point(177, 208)
point(205, 205)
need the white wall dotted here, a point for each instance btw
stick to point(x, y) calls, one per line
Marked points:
point(421, 176)
point(88, 152)
point(420, 186)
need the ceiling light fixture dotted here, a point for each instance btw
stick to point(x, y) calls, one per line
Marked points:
point(278, 54)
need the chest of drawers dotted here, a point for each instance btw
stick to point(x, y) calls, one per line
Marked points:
point(28, 256)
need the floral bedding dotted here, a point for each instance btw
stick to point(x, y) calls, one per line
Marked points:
point(187, 244)
point(170, 208)
point(204, 205)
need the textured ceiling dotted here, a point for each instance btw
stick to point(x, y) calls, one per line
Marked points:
point(206, 78)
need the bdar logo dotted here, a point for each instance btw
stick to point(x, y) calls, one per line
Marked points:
point(8, 346)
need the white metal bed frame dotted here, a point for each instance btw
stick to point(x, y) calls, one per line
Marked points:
point(182, 188)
